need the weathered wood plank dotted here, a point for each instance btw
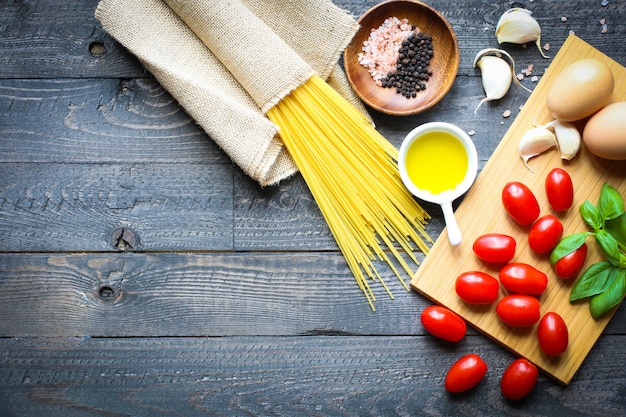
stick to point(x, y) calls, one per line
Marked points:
point(77, 207)
point(277, 376)
point(191, 294)
point(34, 46)
point(54, 39)
point(98, 121)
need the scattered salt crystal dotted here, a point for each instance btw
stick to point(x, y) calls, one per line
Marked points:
point(520, 76)
point(529, 69)
point(563, 19)
point(605, 2)
point(534, 78)
point(380, 51)
point(546, 46)
point(605, 27)
point(506, 113)
point(571, 32)
point(471, 133)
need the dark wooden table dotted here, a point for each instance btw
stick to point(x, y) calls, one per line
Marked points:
point(222, 297)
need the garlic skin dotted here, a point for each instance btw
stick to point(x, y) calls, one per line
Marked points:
point(534, 142)
point(567, 136)
point(517, 25)
point(497, 74)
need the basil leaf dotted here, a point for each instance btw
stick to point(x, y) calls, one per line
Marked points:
point(611, 203)
point(567, 245)
point(591, 215)
point(611, 297)
point(594, 280)
point(617, 228)
point(609, 245)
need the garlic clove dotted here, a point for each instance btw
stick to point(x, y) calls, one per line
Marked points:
point(567, 136)
point(496, 74)
point(496, 78)
point(517, 25)
point(534, 142)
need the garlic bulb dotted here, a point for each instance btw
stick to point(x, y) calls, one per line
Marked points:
point(517, 25)
point(567, 137)
point(497, 74)
point(534, 142)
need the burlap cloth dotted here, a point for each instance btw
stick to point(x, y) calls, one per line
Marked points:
point(228, 61)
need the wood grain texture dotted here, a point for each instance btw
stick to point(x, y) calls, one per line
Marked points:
point(98, 121)
point(588, 174)
point(74, 207)
point(278, 376)
point(191, 294)
point(199, 294)
point(34, 46)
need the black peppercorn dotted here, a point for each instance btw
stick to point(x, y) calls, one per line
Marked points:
point(412, 66)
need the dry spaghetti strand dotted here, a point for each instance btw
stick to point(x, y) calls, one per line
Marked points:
point(351, 170)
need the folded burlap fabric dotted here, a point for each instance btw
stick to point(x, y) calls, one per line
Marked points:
point(188, 48)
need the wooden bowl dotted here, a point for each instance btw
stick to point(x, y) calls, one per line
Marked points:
point(444, 63)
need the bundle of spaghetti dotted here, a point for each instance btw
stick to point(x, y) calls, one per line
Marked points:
point(351, 170)
point(349, 167)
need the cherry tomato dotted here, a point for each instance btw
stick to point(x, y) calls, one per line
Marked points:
point(519, 379)
point(522, 278)
point(443, 323)
point(570, 265)
point(545, 233)
point(465, 373)
point(559, 189)
point(477, 287)
point(552, 334)
point(520, 202)
point(495, 247)
point(518, 310)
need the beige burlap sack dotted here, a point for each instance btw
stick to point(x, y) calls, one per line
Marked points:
point(315, 32)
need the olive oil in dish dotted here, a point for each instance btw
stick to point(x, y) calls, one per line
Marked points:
point(436, 162)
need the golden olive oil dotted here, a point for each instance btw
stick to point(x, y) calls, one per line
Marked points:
point(436, 162)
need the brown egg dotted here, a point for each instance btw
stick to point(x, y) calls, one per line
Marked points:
point(581, 89)
point(605, 132)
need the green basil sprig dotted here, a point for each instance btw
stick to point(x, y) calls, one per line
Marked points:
point(604, 283)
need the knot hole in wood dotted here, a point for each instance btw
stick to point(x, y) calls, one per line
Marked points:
point(108, 294)
point(97, 49)
point(123, 238)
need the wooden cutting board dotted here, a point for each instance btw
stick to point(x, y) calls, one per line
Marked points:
point(481, 212)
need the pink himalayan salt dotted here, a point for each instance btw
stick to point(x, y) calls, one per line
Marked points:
point(380, 51)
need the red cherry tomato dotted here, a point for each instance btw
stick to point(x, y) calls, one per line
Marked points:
point(520, 202)
point(522, 278)
point(477, 287)
point(519, 379)
point(518, 310)
point(545, 233)
point(559, 189)
point(570, 265)
point(465, 373)
point(552, 334)
point(443, 323)
point(495, 247)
